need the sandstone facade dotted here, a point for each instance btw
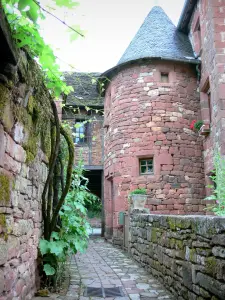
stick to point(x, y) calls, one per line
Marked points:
point(166, 78)
point(146, 118)
point(207, 36)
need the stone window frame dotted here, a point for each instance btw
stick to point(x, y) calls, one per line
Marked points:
point(165, 70)
point(206, 101)
point(148, 161)
point(164, 76)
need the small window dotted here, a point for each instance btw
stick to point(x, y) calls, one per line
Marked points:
point(146, 166)
point(80, 132)
point(165, 77)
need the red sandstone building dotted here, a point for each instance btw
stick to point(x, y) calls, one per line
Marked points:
point(167, 77)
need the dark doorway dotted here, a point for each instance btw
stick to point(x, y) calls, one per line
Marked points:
point(95, 186)
point(95, 181)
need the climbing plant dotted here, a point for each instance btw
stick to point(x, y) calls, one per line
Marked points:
point(72, 235)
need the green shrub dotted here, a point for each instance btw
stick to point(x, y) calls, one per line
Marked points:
point(218, 188)
point(198, 125)
point(138, 192)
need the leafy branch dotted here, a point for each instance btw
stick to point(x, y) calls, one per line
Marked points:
point(57, 18)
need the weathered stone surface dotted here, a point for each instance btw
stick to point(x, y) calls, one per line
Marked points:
point(219, 239)
point(219, 251)
point(2, 281)
point(18, 133)
point(23, 171)
point(178, 250)
point(2, 145)
point(22, 227)
point(215, 287)
point(3, 252)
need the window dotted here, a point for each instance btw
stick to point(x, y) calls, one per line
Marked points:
point(80, 132)
point(146, 166)
point(165, 77)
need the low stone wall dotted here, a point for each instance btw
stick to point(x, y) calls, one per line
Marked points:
point(187, 253)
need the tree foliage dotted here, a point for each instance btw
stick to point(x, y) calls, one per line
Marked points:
point(23, 16)
point(73, 233)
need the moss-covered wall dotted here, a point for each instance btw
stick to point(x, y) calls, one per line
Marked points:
point(25, 127)
point(186, 252)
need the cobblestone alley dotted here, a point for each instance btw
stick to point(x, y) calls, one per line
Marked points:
point(105, 271)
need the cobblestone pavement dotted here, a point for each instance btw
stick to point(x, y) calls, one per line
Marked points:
point(105, 266)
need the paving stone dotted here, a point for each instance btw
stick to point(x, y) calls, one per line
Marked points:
point(104, 266)
point(142, 286)
point(134, 296)
point(150, 295)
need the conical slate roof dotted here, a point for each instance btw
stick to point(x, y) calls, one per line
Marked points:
point(158, 37)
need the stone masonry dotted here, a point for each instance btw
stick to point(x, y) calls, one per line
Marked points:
point(24, 150)
point(187, 253)
point(144, 118)
point(207, 33)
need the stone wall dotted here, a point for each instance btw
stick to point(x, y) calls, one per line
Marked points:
point(209, 44)
point(148, 118)
point(25, 115)
point(187, 253)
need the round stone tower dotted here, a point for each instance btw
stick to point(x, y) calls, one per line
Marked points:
point(150, 100)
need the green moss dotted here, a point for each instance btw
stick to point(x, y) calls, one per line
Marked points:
point(4, 98)
point(31, 147)
point(183, 223)
point(30, 157)
point(30, 105)
point(154, 236)
point(36, 121)
point(172, 223)
point(211, 265)
point(2, 220)
point(193, 255)
point(46, 140)
point(4, 189)
point(179, 244)
point(22, 116)
point(172, 243)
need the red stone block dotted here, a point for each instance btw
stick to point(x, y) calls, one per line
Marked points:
point(167, 167)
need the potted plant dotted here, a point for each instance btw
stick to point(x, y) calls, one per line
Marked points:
point(138, 198)
point(203, 129)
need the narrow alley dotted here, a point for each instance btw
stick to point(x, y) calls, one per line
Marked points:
point(105, 271)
